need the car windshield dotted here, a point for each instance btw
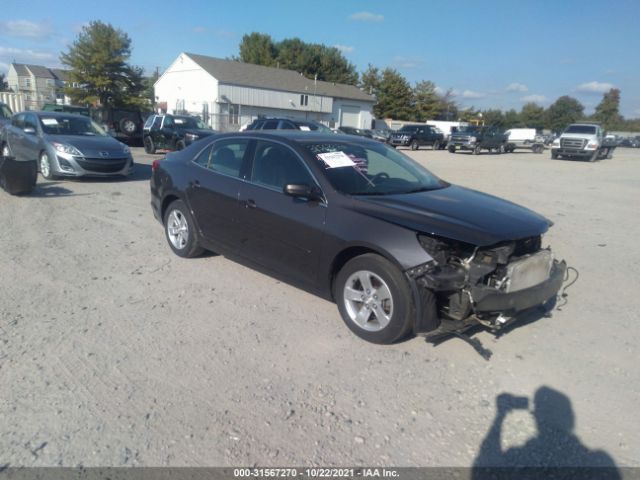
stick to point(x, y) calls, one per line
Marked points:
point(588, 129)
point(71, 125)
point(189, 122)
point(469, 129)
point(409, 128)
point(371, 169)
point(5, 112)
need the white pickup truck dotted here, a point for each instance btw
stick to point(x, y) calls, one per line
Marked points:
point(585, 141)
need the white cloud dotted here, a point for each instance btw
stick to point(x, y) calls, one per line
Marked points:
point(406, 62)
point(517, 87)
point(9, 54)
point(473, 95)
point(344, 48)
point(25, 29)
point(594, 87)
point(199, 29)
point(221, 32)
point(534, 98)
point(366, 17)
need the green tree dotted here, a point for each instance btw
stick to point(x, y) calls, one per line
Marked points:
point(97, 61)
point(493, 117)
point(562, 112)
point(532, 116)
point(512, 119)
point(449, 108)
point(608, 110)
point(311, 59)
point(258, 48)
point(370, 80)
point(426, 102)
point(4, 86)
point(395, 96)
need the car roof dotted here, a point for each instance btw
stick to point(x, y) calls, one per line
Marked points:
point(298, 136)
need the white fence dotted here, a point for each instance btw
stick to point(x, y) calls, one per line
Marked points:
point(14, 100)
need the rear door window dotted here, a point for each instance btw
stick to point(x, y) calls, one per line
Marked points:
point(225, 157)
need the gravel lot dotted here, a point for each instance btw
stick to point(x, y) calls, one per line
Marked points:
point(113, 351)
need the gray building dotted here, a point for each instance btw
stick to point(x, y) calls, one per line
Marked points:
point(38, 84)
point(228, 94)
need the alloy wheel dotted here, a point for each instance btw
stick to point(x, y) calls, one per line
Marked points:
point(45, 166)
point(368, 300)
point(178, 229)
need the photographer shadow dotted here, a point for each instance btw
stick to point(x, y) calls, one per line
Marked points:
point(556, 452)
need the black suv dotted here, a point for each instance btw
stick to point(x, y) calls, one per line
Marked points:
point(172, 132)
point(123, 124)
point(416, 136)
point(287, 124)
point(477, 138)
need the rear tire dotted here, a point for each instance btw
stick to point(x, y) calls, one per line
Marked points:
point(374, 299)
point(149, 146)
point(436, 145)
point(180, 231)
point(180, 145)
point(414, 145)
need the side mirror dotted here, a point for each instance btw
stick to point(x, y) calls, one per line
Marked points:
point(302, 191)
point(29, 130)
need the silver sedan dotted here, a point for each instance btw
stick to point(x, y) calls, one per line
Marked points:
point(65, 145)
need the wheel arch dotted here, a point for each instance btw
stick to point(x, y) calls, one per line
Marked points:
point(349, 253)
point(166, 201)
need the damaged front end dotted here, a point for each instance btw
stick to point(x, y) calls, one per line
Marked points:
point(465, 285)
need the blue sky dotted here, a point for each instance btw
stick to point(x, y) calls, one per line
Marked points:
point(492, 53)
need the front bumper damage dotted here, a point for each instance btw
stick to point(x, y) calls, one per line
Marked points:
point(490, 288)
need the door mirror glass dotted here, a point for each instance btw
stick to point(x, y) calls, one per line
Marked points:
point(299, 190)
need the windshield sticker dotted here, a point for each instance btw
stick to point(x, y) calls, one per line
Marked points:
point(49, 121)
point(304, 128)
point(336, 160)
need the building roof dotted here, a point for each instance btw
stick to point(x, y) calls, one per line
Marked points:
point(258, 76)
point(23, 69)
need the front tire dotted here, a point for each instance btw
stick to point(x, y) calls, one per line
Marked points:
point(46, 168)
point(180, 230)
point(180, 145)
point(452, 149)
point(477, 149)
point(414, 145)
point(436, 145)
point(374, 299)
point(554, 155)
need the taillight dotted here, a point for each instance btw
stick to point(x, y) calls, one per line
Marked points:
point(155, 165)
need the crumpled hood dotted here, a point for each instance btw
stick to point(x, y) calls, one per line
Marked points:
point(91, 146)
point(456, 213)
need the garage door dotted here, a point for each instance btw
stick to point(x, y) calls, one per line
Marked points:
point(350, 116)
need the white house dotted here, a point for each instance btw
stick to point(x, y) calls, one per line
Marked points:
point(228, 94)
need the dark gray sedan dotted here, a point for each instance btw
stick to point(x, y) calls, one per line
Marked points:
point(65, 145)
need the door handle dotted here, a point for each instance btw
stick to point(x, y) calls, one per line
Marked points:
point(250, 204)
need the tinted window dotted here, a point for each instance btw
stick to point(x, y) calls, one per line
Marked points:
point(30, 121)
point(157, 123)
point(18, 120)
point(270, 125)
point(287, 125)
point(276, 166)
point(168, 122)
point(149, 122)
point(224, 157)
